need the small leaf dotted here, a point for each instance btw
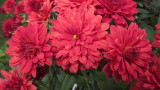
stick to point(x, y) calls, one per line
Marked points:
point(159, 19)
point(140, 10)
point(140, 4)
point(149, 30)
point(2, 53)
point(68, 82)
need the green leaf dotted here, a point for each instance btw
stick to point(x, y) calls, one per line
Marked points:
point(68, 82)
point(41, 85)
point(2, 53)
point(149, 30)
point(155, 5)
point(60, 75)
point(46, 79)
point(81, 82)
point(58, 86)
point(143, 16)
point(102, 82)
point(105, 83)
point(159, 19)
point(153, 21)
point(140, 4)
point(140, 10)
point(146, 5)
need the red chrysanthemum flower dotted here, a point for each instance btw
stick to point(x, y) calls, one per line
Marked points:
point(116, 10)
point(17, 20)
point(9, 6)
point(77, 38)
point(19, 8)
point(31, 5)
point(156, 41)
point(15, 82)
point(8, 28)
point(28, 48)
point(2, 10)
point(62, 5)
point(42, 14)
point(128, 53)
point(151, 79)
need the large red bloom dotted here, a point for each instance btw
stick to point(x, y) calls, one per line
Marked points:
point(156, 41)
point(77, 38)
point(42, 14)
point(116, 10)
point(151, 79)
point(28, 48)
point(9, 5)
point(62, 5)
point(128, 53)
point(15, 82)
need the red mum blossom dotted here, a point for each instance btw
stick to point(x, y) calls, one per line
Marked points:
point(156, 41)
point(116, 10)
point(17, 20)
point(42, 14)
point(151, 79)
point(77, 38)
point(9, 6)
point(28, 48)
point(8, 28)
point(2, 10)
point(19, 8)
point(15, 82)
point(128, 53)
point(31, 5)
point(62, 5)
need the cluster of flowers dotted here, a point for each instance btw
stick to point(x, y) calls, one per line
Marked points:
point(78, 41)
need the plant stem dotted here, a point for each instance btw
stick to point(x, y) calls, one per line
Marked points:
point(87, 79)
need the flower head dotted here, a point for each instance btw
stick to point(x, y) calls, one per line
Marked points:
point(17, 20)
point(150, 79)
point(2, 10)
point(62, 5)
point(9, 6)
point(128, 53)
point(77, 39)
point(116, 10)
point(19, 8)
point(42, 14)
point(15, 82)
point(31, 5)
point(28, 48)
point(156, 41)
point(8, 28)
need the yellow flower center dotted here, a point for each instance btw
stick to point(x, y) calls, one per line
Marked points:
point(74, 37)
